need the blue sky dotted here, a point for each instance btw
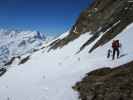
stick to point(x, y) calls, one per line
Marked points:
point(49, 16)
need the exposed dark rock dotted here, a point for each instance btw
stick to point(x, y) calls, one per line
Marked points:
point(35, 50)
point(103, 16)
point(112, 16)
point(11, 61)
point(61, 42)
point(24, 60)
point(107, 84)
point(2, 71)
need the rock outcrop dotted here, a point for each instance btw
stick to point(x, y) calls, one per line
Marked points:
point(107, 84)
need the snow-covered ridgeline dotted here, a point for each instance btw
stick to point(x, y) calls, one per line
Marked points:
point(16, 43)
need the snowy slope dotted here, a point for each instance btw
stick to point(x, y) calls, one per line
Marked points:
point(17, 43)
point(51, 75)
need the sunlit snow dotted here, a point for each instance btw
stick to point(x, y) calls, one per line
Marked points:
point(51, 75)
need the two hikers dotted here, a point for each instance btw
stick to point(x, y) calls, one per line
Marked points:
point(116, 49)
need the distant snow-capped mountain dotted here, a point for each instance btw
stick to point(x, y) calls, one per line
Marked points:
point(17, 43)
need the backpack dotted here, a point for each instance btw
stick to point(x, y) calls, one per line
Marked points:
point(116, 44)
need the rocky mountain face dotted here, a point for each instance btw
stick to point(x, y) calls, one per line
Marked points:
point(107, 18)
point(103, 16)
point(17, 43)
point(107, 84)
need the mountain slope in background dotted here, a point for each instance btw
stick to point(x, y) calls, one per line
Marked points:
point(17, 43)
point(51, 75)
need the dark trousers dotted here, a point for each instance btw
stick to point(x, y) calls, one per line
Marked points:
point(116, 50)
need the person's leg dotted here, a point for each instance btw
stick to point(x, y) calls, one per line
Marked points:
point(118, 52)
point(114, 50)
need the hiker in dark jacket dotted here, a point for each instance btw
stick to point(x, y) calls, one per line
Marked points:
point(115, 46)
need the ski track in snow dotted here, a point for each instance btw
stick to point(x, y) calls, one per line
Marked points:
point(50, 76)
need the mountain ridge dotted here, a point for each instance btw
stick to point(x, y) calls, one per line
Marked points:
point(15, 43)
point(110, 17)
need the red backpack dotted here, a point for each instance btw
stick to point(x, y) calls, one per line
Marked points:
point(116, 44)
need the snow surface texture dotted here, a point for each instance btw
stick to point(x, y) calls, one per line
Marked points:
point(16, 43)
point(51, 75)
